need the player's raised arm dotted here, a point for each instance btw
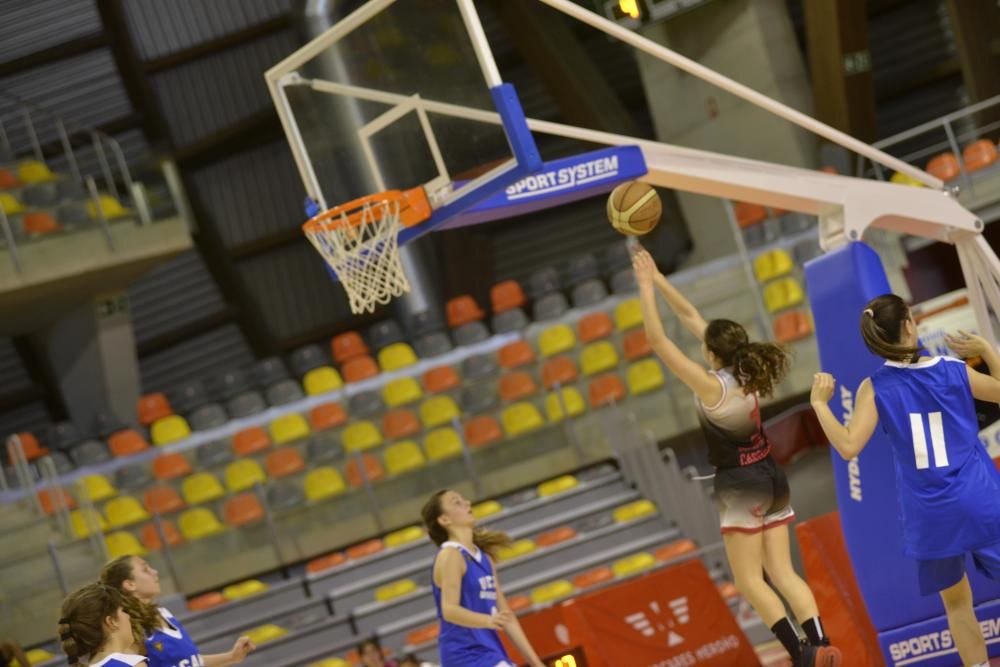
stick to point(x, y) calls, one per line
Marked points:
point(966, 345)
point(691, 373)
point(848, 440)
point(683, 309)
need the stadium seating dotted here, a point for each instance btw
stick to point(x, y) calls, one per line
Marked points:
point(979, 155)
point(944, 166)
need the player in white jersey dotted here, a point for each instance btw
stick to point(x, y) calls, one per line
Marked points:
point(96, 631)
point(751, 488)
point(166, 642)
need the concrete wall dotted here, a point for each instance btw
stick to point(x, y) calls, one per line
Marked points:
point(753, 42)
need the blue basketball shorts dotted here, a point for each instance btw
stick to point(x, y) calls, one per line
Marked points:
point(942, 573)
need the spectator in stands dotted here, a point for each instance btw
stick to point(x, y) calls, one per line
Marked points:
point(471, 606)
point(94, 626)
point(166, 642)
point(11, 651)
point(752, 491)
point(370, 652)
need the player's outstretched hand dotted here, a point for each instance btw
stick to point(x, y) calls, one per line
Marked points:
point(243, 647)
point(822, 389)
point(967, 345)
point(644, 267)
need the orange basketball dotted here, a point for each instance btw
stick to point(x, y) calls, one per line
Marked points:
point(634, 208)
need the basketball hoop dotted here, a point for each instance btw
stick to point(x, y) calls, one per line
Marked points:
point(358, 240)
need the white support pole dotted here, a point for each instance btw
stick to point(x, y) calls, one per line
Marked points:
point(295, 142)
point(965, 248)
point(479, 42)
point(744, 92)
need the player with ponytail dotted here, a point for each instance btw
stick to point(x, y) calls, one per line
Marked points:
point(94, 627)
point(470, 603)
point(752, 491)
point(947, 484)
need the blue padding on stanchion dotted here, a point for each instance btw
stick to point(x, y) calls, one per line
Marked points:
point(840, 283)
point(928, 644)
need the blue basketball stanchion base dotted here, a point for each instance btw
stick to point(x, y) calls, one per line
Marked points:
point(840, 283)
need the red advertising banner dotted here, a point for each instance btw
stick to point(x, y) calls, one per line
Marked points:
point(669, 618)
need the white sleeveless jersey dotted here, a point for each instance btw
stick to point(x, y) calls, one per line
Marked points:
point(732, 426)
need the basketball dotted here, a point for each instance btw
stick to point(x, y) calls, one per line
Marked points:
point(634, 208)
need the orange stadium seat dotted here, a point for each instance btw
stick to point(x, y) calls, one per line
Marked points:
point(243, 509)
point(518, 353)
point(507, 295)
point(748, 214)
point(151, 539)
point(127, 443)
point(39, 222)
point(8, 179)
point(29, 444)
point(152, 407)
point(329, 561)
point(250, 441)
point(559, 370)
point(517, 385)
point(348, 345)
point(359, 368)
point(482, 430)
point(944, 166)
point(326, 416)
point(48, 500)
point(555, 536)
point(595, 326)
point(462, 310)
point(171, 466)
point(792, 326)
point(441, 378)
point(373, 470)
point(284, 462)
point(635, 345)
point(675, 550)
point(162, 500)
point(400, 423)
point(428, 633)
point(979, 155)
point(206, 601)
point(365, 549)
point(605, 389)
point(593, 577)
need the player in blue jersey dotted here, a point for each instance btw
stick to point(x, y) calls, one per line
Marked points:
point(166, 642)
point(94, 629)
point(948, 487)
point(470, 604)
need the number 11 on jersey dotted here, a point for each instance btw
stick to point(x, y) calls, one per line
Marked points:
point(920, 440)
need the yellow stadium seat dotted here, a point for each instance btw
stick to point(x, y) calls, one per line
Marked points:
point(633, 511)
point(556, 340)
point(124, 511)
point(900, 178)
point(783, 293)
point(644, 376)
point(556, 486)
point(487, 508)
point(110, 207)
point(628, 314)
point(243, 474)
point(199, 523)
point(401, 391)
point(516, 549)
point(442, 443)
point(33, 171)
point(361, 435)
point(520, 418)
point(123, 544)
point(322, 380)
point(572, 400)
point(396, 356)
point(772, 264)
point(552, 591)
point(598, 357)
point(97, 488)
point(169, 429)
point(266, 633)
point(10, 204)
point(289, 428)
point(324, 482)
point(37, 656)
point(438, 410)
point(78, 520)
point(395, 590)
point(244, 589)
point(201, 487)
point(404, 536)
point(633, 564)
point(330, 662)
point(403, 456)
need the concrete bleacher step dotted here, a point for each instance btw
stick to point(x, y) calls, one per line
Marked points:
point(26, 540)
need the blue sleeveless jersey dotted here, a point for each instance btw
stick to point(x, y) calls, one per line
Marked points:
point(949, 489)
point(458, 645)
point(172, 646)
point(120, 660)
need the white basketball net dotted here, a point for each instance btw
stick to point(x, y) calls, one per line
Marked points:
point(364, 256)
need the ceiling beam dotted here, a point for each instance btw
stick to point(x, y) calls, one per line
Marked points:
point(218, 45)
point(72, 48)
